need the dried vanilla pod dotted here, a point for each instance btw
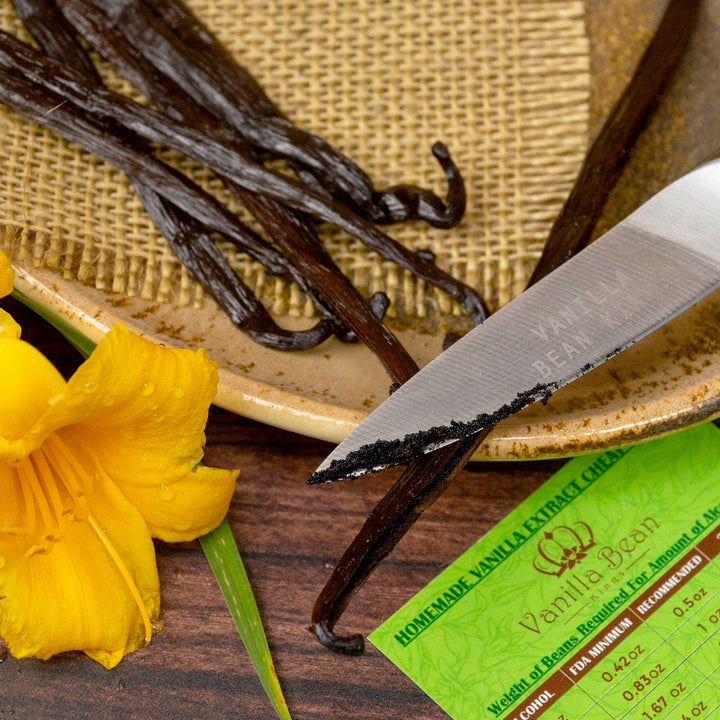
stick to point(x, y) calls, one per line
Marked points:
point(233, 162)
point(393, 516)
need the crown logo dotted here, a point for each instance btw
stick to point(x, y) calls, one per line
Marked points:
point(562, 548)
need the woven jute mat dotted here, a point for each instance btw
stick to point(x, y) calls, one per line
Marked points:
point(504, 83)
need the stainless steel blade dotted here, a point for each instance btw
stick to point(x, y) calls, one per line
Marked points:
point(652, 266)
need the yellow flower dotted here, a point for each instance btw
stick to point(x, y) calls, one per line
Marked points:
point(90, 470)
point(8, 326)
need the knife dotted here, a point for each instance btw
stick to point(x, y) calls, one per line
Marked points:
point(650, 267)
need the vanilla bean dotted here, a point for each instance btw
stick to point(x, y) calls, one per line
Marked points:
point(390, 519)
point(232, 161)
point(607, 156)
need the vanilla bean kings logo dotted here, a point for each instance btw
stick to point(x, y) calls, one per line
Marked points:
point(585, 571)
point(563, 547)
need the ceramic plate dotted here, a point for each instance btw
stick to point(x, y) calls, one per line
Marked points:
point(668, 380)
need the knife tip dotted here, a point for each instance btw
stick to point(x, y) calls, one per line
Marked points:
point(371, 457)
point(376, 456)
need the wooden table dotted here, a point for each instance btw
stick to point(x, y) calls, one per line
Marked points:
point(290, 535)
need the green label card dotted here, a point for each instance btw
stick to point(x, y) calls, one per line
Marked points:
point(598, 597)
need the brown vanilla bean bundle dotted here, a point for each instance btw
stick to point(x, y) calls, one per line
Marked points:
point(207, 265)
point(289, 232)
point(186, 237)
point(180, 48)
point(393, 516)
point(231, 161)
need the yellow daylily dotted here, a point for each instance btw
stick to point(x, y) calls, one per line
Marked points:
point(90, 470)
point(8, 326)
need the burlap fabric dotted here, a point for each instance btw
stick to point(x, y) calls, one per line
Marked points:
point(504, 83)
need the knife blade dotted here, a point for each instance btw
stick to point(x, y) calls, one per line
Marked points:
point(650, 267)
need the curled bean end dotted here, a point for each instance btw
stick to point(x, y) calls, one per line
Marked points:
point(342, 644)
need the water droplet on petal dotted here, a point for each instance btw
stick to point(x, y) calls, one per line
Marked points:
point(89, 387)
point(177, 392)
point(165, 493)
point(147, 389)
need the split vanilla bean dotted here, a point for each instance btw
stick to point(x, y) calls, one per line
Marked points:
point(424, 480)
point(393, 516)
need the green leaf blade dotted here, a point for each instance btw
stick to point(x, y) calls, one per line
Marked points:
point(79, 341)
point(224, 558)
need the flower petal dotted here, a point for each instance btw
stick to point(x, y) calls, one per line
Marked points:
point(73, 597)
point(141, 407)
point(28, 384)
point(7, 275)
point(187, 508)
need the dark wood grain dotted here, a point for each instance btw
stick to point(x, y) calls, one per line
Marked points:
point(290, 534)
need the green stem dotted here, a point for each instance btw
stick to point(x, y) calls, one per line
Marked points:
point(222, 553)
point(81, 343)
